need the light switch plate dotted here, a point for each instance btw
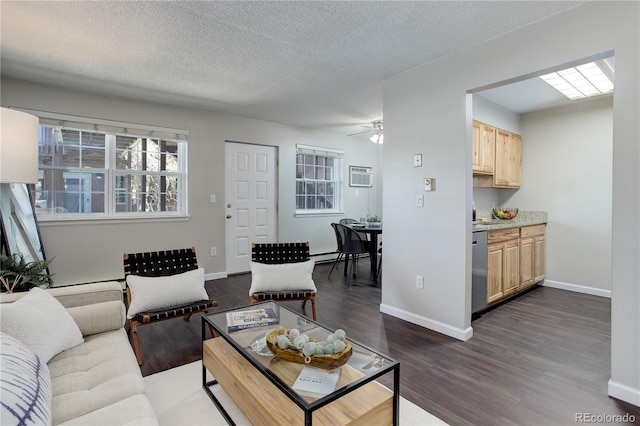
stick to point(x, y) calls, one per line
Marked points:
point(417, 160)
point(429, 184)
point(420, 200)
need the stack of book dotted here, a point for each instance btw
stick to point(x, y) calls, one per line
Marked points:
point(251, 318)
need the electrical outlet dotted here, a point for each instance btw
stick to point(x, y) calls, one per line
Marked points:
point(214, 251)
point(419, 281)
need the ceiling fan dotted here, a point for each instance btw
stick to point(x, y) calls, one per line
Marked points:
point(377, 132)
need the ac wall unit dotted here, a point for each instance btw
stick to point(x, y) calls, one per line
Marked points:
point(360, 176)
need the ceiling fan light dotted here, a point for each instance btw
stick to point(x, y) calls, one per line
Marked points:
point(377, 138)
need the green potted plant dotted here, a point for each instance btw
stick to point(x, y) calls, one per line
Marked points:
point(16, 274)
point(373, 221)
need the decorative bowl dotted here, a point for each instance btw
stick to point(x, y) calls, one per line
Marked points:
point(325, 362)
point(505, 213)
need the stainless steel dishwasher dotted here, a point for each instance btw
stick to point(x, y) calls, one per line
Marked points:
point(478, 271)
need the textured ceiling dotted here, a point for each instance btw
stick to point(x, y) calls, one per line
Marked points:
point(310, 64)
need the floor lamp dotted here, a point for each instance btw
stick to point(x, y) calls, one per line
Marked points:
point(18, 164)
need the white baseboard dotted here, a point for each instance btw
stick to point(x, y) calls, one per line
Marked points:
point(215, 276)
point(624, 393)
point(577, 288)
point(431, 324)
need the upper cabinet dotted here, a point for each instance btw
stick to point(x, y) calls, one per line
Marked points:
point(497, 157)
point(484, 147)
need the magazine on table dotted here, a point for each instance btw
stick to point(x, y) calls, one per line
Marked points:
point(251, 318)
point(316, 382)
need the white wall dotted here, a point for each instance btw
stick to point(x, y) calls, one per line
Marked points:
point(425, 111)
point(89, 251)
point(567, 172)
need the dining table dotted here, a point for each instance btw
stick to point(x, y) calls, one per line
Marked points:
point(372, 232)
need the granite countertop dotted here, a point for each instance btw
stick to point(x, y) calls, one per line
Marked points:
point(524, 218)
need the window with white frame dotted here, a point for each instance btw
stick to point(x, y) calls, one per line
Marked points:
point(318, 180)
point(105, 169)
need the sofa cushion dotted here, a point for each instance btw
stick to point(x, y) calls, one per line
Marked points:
point(282, 276)
point(151, 293)
point(41, 323)
point(99, 317)
point(98, 373)
point(134, 410)
point(25, 388)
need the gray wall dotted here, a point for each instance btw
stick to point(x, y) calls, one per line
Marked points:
point(87, 251)
point(427, 110)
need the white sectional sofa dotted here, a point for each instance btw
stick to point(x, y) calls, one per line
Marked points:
point(96, 382)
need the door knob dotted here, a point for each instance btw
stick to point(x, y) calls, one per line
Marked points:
point(228, 216)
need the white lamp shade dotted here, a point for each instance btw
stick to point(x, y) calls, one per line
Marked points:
point(377, 138)
point(18, 147)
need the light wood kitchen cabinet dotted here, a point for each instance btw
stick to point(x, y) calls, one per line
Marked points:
point(532, 255)
point(503, 263)
point(497, 157)
point(511, 269)
point(495, 259)
point(484, 145)
point(508, 160)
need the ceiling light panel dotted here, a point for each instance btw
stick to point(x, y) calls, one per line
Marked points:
point(580, 82)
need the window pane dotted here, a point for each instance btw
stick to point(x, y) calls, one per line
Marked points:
point(71, 148)
point(92, 150)
point(310, 188)
point(329, 202)
point(311, 202)
point(145, 154)
point(146, 193)
point(70, 192)
point(309, 172)
point(328, 173)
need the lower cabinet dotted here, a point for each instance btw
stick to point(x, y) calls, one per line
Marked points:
point(532, 254)
point(503, 268)
point(515, 260)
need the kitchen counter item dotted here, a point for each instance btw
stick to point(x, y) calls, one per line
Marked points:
point(505, 213)
point(524, 218)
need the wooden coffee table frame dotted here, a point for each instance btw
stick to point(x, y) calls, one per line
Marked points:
point(227, 344)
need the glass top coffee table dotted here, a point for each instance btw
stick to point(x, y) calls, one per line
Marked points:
point(261, 384)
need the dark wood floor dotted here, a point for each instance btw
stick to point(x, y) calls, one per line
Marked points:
point(540, 359)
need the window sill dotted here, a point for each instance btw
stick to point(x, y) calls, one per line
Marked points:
point(312, 213)
point(104, 220)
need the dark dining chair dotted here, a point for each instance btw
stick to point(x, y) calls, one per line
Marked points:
point(353, 245)
point(349, 221)
point(339, 247)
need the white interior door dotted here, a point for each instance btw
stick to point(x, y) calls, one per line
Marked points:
point(250, 201)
